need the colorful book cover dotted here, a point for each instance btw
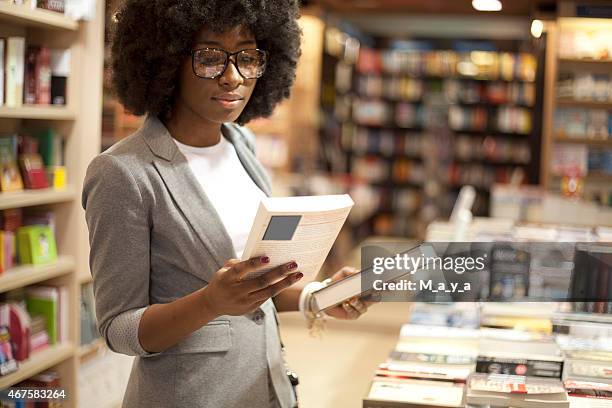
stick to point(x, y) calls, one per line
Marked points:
point(44, 301)
point(36, 244)
point(15, 54)
point(33, 171)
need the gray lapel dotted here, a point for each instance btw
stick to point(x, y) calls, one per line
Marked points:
point(187, 192)
point(233, 134)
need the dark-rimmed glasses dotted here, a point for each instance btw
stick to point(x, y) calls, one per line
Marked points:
point(211, 63)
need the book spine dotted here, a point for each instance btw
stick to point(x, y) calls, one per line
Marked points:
point(43, 77)
point(29, 94)
point(52, 5)
point(15, 71)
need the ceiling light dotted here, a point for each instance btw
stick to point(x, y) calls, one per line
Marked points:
point(536, 28)
point(487, 5)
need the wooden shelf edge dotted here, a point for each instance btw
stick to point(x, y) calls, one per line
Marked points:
point(28, 198)
point(584, 103)
point(42, 112)
point(38, 362)
point(579, 140)
point(24, 275)
point(85, 350)
point(585, 61)
point(23, 14)
point(84, 278)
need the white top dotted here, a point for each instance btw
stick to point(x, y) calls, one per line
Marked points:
point(227, 185)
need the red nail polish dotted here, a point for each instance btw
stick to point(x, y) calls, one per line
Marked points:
point(265, 259)
point(299, 276)
point(292, 265)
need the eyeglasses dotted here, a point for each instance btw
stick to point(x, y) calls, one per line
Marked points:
point(211, 63)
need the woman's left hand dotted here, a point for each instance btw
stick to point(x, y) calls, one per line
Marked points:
point(352, 308)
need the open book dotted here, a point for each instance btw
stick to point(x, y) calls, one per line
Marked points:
point(301, 229)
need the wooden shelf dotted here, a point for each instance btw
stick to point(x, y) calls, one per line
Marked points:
point(23, 14)
point(42, 112)
point(84, 278)
point(24, 275)
point(599, 177)
point(27, 198)
point(85, 350)
point(580, 140)
point(585, 61)
point(38, 361)
point(584, 104)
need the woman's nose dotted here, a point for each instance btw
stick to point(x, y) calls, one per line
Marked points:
point(231, 78)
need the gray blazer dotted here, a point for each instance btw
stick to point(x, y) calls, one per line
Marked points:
point(155, 237)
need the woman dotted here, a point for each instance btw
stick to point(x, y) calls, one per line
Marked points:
point(169, 208)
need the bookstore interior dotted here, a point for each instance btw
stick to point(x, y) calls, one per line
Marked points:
point(444, 121)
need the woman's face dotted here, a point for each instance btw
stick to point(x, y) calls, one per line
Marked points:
point(221, 99)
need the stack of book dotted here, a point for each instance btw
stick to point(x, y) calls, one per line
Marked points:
point(503, 390)
point(429, 367)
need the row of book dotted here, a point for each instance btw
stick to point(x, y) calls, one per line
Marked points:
point(580, 160)
point(363, 140)
point(32, 74)
point(487, 65)
point(404, 88)
point(583, 123)
point(32, 162)
point(507, 119)
point(585, 44)
point(31, 319)
point(472, 365)
point(26, 239)
point(374, 169)
point(48, 382)
point(57, 6)
point(376, 112)
point(584, 86)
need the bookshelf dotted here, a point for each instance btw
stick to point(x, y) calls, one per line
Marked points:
point(429, 119)
point(575, 103)
point(79, 123)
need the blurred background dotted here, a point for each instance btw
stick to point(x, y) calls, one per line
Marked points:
point(404, 105)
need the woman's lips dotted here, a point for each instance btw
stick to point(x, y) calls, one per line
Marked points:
point(229, 102)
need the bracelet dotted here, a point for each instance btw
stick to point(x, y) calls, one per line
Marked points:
point(316, 320)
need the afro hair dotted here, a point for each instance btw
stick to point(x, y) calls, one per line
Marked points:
point(152, 37)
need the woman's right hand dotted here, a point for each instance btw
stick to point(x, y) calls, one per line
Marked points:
point(232, 292)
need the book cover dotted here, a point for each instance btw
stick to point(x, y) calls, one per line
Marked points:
point(15, 51)
point(36, 244)
point(44, 301)
point(33, 171)
point(301, 229)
